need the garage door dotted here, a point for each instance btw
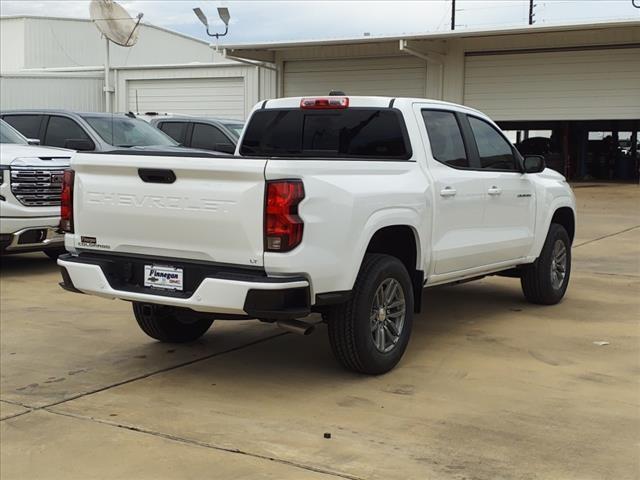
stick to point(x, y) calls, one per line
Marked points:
point(394, 77)
point(222, 97)
point(569, 85)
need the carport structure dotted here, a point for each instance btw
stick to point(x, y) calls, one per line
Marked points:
point(574, 87)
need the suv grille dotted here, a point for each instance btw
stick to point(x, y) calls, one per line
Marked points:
point(37, 187)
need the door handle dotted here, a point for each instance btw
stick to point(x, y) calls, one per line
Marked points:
point(448, 192)
point(495, 190)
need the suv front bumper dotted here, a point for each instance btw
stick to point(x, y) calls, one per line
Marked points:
point(208, 288)
point(31, 239)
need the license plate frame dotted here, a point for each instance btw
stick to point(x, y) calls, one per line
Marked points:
point(165, 277)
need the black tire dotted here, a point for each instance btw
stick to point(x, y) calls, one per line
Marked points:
point(536, 279)
point(350, 324)
point(171, 324)
point(54, 253)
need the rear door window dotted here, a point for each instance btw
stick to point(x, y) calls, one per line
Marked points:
point(207, 136)
point(495, 152)
point(445, 138)
point(27, 125)
point(350, 133)
point(61, 129)
point(176, 130)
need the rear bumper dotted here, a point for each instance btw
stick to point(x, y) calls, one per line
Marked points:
point(214, 289)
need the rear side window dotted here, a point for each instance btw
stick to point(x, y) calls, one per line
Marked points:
point(348, 133)
point(27, 125)
point(494, 150)
point(61, 129)
point(207, 136)
point(445, 138)
point(176, 130)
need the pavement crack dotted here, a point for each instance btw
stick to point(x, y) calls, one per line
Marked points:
point(15, 415)
point(154, 372)
point(611, 274)
point(606, 236)
point(193, 442)
point(17, 404)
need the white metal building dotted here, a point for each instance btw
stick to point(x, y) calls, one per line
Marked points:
point(568, 84)
point(564, 82)
point(533, 73)
point(59, 63)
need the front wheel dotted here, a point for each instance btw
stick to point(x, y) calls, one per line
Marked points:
point(370, 332)
point(545, 282)
point(170, 324)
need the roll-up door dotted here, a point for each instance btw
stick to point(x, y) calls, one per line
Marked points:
point(561, 85)
point(220, 97)
point(388, 76)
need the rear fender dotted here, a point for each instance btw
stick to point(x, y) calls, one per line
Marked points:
point(388, 218)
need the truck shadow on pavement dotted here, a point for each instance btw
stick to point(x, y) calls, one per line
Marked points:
point(462, 315)
point(26, 264)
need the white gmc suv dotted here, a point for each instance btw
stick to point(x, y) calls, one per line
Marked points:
point(345, 206)
point(30, 186)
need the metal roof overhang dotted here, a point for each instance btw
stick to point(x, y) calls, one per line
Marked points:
point(262, 54)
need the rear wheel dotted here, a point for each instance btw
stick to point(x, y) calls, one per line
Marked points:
point(171, 324)
point(370, 332)
point(545, 282)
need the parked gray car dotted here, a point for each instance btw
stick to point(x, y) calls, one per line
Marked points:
point(91, 131)
point(216, 134)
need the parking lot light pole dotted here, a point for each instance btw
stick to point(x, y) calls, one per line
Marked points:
point(223, 13)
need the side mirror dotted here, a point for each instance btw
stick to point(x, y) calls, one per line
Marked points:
point(79, 144)
point(225, 148)
point(534, 164)
point(33, 141)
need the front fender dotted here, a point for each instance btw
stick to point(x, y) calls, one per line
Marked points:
point(544, 221)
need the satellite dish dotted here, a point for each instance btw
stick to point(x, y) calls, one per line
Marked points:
point(114, 22)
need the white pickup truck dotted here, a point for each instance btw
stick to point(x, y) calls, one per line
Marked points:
point(345, 206)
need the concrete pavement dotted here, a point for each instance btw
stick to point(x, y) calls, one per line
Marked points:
point(490, 387)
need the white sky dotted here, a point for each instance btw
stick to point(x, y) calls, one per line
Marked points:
point(266, 21)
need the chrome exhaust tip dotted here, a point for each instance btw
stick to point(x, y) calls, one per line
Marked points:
point(296, 326)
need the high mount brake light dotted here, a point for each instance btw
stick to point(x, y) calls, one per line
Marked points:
point(66, 202)
point(324, 103)
point(282, 225)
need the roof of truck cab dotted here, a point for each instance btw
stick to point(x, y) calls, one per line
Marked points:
point(364, 101)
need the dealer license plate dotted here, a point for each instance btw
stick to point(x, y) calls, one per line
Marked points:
point(169, 278)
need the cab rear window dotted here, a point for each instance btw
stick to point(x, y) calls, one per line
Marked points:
point(345, 133)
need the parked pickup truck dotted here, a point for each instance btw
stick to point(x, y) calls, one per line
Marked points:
point(345, 206)
point(30, 187)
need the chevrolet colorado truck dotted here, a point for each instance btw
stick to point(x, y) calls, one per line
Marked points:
point(30, 187)
point(343, 206)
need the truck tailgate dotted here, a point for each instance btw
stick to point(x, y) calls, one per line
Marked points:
point(212, 211)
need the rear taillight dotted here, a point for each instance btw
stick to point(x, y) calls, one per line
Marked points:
point(66, 202)
point(324, 103)
point(282, 225)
